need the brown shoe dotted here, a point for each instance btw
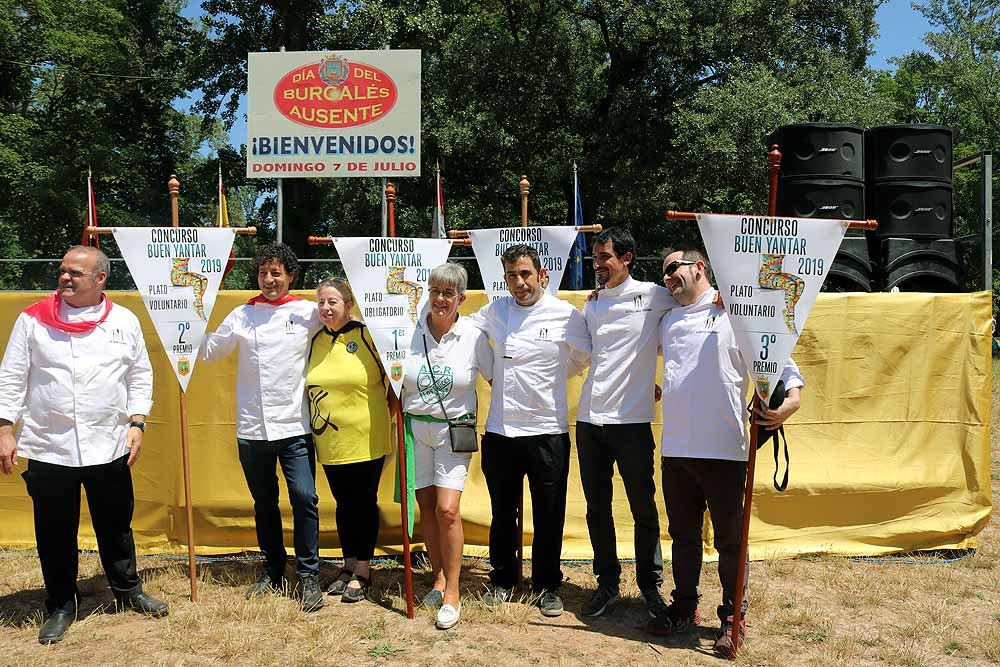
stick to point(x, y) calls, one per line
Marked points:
point(724, 642)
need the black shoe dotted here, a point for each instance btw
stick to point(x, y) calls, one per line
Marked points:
point(55, 626)
point(265, 584)
point(339, 584)
point(599, 602)
point(311, 595)
point(144, 604)
point(655, 605)
point(676, 618)
point(357, 593)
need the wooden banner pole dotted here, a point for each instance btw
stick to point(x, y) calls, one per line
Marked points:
point(174, 187)
point(390, 198)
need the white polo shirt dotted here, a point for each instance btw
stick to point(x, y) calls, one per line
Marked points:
point(75, 392)
point(462, 353)
point(705, 384)
point(273, 344)
point(535, 349)
point(624, 325)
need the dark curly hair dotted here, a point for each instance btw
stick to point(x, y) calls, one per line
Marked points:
point(277, 252)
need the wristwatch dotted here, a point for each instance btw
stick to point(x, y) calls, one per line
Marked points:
point(139, 425)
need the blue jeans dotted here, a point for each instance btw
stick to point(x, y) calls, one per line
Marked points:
point(298, 463)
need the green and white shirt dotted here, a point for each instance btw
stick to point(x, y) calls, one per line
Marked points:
point(447, 370)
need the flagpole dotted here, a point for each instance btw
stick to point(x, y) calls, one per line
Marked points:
point(525, 188)
point(281, 197)
point(174, 187)
point(390, 198)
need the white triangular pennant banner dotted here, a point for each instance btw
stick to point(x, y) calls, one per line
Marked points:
point(769, 271)
point(552, 243)
point(178, 271)
point(389, 279)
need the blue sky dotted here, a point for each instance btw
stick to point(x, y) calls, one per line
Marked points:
point(901, 30)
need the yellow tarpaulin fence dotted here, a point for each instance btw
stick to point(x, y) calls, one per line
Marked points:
point(890, 450)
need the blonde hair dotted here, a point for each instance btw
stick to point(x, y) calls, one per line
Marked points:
point(339, 284)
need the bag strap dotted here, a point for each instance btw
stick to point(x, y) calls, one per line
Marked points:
point(434, 382)
point(773, 437)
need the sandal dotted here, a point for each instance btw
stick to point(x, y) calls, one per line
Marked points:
point(358, 594)
point(339, 584)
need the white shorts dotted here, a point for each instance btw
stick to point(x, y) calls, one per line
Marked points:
point(434, 462)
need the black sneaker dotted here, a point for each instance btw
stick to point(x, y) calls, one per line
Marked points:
point(144, 604)
point(310, 594)
point(674, 619)
point(655, 605)
point(599, 602)
point(550, 603)
point(264, 585)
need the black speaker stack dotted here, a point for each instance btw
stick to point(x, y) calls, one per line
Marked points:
point(901, 175)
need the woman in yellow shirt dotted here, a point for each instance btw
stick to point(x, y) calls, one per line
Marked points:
point(349, 417)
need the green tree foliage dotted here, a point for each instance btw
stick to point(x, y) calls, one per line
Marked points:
point(59, 116)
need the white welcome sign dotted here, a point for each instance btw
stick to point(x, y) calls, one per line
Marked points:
point(178, 271)
point(389, 279)
point(552, 243)
point(769, 271)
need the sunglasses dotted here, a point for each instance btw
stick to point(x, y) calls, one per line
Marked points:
point(672, 267)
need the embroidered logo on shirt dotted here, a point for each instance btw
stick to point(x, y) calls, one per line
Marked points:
point(289, 326)
point(117, 336)
point(438, 386)
point(543, 334)
point(352, 347)
point(638, 305)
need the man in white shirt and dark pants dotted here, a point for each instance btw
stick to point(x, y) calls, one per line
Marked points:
point(705, 443)
point(77, 376)
point(538, 341)
point(272, 332)
point(614, 418)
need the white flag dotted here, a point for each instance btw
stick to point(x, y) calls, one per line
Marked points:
point(177, 270)
point(389, 279)
point(552, 243)
point(769, 271)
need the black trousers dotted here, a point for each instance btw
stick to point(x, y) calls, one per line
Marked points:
point(631, 446)
point(55, 497)
point(355, 488)
point(545, 460)
point(689, 485)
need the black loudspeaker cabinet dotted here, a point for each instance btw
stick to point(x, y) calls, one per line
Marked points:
point(821, 149)
point(852, 268)
point(915, 152)
point(920, 265)
point(911, 209)
point(810, 197)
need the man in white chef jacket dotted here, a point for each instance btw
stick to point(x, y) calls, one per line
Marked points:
point(538, 341)
point(272, 332)
point(705, 443)
point(614, 418)
point(76, 375)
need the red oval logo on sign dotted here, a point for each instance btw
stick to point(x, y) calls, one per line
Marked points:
point(335, 94)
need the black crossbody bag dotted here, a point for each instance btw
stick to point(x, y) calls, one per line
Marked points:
point(764, 434)
point(462, 432)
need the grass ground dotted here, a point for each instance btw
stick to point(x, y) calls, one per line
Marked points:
point(807, 611)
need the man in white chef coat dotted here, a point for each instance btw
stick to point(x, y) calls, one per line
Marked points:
point(705, 443)
point(538, 341)
point(76, 375)
point(271, 333)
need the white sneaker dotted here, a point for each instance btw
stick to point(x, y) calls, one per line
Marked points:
point(433, 599)
point(448, 616)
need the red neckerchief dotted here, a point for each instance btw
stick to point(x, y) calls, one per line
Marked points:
point(46, 311)
point(260, 298)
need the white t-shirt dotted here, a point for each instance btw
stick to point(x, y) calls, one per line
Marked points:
point(705, 384)
point(535, 349)
point(624, 324)
point(462, 353)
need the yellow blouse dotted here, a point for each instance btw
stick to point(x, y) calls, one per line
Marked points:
point(346, 387)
